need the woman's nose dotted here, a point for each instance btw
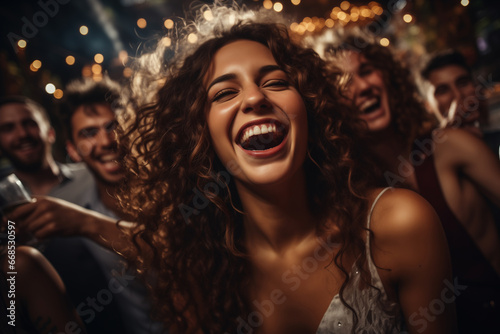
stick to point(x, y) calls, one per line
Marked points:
point(255, 100)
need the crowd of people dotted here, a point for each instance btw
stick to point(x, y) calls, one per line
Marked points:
point(254, 183)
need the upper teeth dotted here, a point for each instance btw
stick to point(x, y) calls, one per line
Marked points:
point(368, 103)
point(257, 130)
point(108, 158)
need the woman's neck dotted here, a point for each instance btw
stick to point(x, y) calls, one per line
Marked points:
point(278, 216)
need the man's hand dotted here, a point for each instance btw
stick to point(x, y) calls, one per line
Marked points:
point(48, 217)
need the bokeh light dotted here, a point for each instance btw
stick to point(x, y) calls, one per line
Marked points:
point(169, 24)
point(407, 18)
point(96, 69)
point(98, 58)
point(208, 15)
point(192, 38)
point(84, 30)
point(58, 94)
point(37, 64)
point(142, 23)
point(86, 71)
point(70, 60)
point(377, 10)
point(384, 41)
point(365, 12)
point(50, 88)
point(166, 41)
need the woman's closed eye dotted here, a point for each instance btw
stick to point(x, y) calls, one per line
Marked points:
point(226, 94)
point(276, 84)
point(223, 95)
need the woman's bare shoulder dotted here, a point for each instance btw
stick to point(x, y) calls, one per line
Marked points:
point(406, 230)
point(400, 211)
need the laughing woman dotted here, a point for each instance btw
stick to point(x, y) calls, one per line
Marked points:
point(251, 202)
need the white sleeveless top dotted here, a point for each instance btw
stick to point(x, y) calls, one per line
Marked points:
point(372, 318)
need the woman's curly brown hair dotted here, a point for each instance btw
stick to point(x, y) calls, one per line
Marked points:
point(182, 197)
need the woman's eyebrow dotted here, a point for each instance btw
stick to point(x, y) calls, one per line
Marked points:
point(224, 77)
point(269, 68)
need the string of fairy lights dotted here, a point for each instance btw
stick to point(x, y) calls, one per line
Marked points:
point(344, 14)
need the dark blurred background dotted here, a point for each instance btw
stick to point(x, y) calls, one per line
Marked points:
point(47, 43)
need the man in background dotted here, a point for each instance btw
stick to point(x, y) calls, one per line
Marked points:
point(455, 98)
point(26, 139)
point(88, 115)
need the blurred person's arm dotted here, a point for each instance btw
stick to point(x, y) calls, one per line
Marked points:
point(41, 294)
point(51, 217)
point(474, 159)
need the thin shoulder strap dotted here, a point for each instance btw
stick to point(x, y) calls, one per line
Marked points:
point(368, 252)
point(373, 206)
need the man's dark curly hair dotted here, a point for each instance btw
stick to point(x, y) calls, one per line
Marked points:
point(443, 59)
point(182, 196)
point(87, 92)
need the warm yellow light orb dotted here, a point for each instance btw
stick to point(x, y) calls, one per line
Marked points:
point(70, 60)
point(98, 58)
point(384, 42)
point(84, 30)
point(96, 69)
point(58, 94)
point(169, 24)
point(166, 41)
point(345, 5)
point(37, 64)
point(208, 15)
point(142, 23)
point(192, 38)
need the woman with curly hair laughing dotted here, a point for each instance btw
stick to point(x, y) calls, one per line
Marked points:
point(251, 203)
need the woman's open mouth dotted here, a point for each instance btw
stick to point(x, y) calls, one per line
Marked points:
point(262, 135)
point(370, 105)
